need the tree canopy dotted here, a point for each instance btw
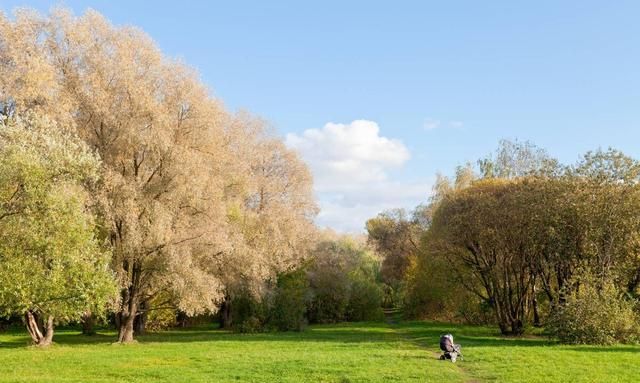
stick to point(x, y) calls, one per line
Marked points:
point(193, 199)
point(52, 266)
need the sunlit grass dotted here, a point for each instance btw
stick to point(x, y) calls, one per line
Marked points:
point(360, 352)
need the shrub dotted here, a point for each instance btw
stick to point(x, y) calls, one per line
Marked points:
point(249, 325)
point(330, 289)
point(592, 315)
point(248, 313)
point(365, 300)
point(432, 291)
point(289, 304)
point(161, 319)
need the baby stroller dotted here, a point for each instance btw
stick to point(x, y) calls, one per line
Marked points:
point(451, 350)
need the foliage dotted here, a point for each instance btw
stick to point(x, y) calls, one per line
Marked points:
point(344, 281)
point(595, 313)
point(159, 317)
point(290, 300)
point(515, 237)
point(515, 159)
point(196, 202)
point(395, 236)
point(51, 264)
point(434, 292)
point(248, 312)
point(365, 300)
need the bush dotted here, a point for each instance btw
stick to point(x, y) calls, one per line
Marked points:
point(432, 292)
point(592, 315)
point(249, 325)
point(161, 319)
point(289, 304)
point(365, 301)
point(330, 296)
point(247, 313)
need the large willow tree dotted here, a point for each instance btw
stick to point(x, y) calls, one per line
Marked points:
point(193, 199)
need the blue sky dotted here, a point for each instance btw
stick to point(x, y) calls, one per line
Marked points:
point(438, 83)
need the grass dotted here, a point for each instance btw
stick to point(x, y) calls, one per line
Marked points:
point(357, 352)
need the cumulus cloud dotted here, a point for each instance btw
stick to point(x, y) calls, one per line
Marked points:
point(343, 155)
point(353, 165)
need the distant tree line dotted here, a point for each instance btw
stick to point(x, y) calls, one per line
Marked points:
point(520, 240)
point(340, 281)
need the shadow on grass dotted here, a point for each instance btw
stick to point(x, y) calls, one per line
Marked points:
point(423, 334)
point(342, 333)
point(428, 335)
point(617, 349)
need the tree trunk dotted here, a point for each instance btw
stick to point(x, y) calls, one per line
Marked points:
point(517, 327)
point(127, 319)
point(125, 332)
point(42, 335)
point(182, 319)
point(140, 321)
point(534, 303)
point(48, 335)
point(225, 313)
point(88, 321)
point(536, 313)
point(129, 305)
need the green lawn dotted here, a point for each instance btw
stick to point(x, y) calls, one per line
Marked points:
point(360, 352)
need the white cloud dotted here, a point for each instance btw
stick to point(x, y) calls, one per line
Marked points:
point(431, 124)
point(348, 154)
point(352, 166)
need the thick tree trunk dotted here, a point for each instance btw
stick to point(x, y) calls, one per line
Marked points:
point(517, 327)
point(48, 336)
point(125, 332)
point(42, 335)
point(127, 318)
point(88, 322)
point(130, 301)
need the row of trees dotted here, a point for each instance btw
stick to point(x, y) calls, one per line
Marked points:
point(526, 238)
point(340, 281)
point(119, 171)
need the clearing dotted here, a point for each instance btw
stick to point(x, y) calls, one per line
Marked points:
point(354, 352)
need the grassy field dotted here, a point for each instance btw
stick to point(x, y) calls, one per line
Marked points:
point(360, 352)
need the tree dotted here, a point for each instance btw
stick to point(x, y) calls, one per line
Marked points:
point(595, 314)
point(396, 237)
point(178, 196)
point(344, 279)
point(515, 159)
point(483, 231)
point(52, 268)
point(271, 210)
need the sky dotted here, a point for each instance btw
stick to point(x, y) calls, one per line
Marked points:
point(380, 96)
